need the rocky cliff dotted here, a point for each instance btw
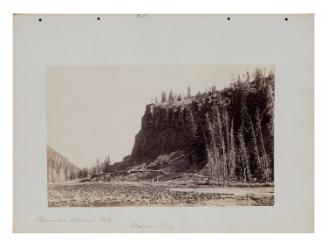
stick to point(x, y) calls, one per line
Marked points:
point(226, 134)
point(165, 128)
point(59, 168)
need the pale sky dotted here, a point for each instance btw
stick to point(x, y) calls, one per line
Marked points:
point(93, 111)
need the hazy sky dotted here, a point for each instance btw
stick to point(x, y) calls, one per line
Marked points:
point(93, 111)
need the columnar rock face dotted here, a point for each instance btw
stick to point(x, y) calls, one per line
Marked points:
point(165, 128)
point(173, 126)
point(59, 169)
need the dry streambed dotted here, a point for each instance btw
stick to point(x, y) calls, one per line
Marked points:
point(119, 194)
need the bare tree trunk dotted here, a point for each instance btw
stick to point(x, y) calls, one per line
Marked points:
point(245, 157)
point(228, 141)
point(232, 152)
point(264, 159)
point(255, 146)
point(222, 145)
point(213, 151)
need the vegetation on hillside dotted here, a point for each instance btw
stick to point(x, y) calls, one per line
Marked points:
point(59, 168)
point(237, 131)
point(98, 168)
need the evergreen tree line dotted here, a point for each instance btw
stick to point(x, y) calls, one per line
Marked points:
point(97, 169)
point(234, 129)
point(173, 97)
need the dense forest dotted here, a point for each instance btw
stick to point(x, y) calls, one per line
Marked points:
point(239, 136)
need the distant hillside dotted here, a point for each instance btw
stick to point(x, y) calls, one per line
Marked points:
point(59, 168)
point(224, 135)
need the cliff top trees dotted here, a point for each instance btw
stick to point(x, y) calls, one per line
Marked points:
point(188, 92)
point(171, 96)
point(163, 96)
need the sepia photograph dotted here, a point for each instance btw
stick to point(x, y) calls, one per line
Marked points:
point(163, 123)
point(160, 135)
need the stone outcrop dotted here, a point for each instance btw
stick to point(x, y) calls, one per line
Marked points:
point(59, 168)
point(225, 135)
point(164, 129)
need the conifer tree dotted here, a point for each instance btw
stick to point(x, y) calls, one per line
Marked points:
point(264, 157)
point(171, 96)
point(188, 93)
point(232, 152)
point(163, 96)
point(258, 163)
point(244, 158)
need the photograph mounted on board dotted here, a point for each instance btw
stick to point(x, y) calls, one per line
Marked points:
point(160, 135)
